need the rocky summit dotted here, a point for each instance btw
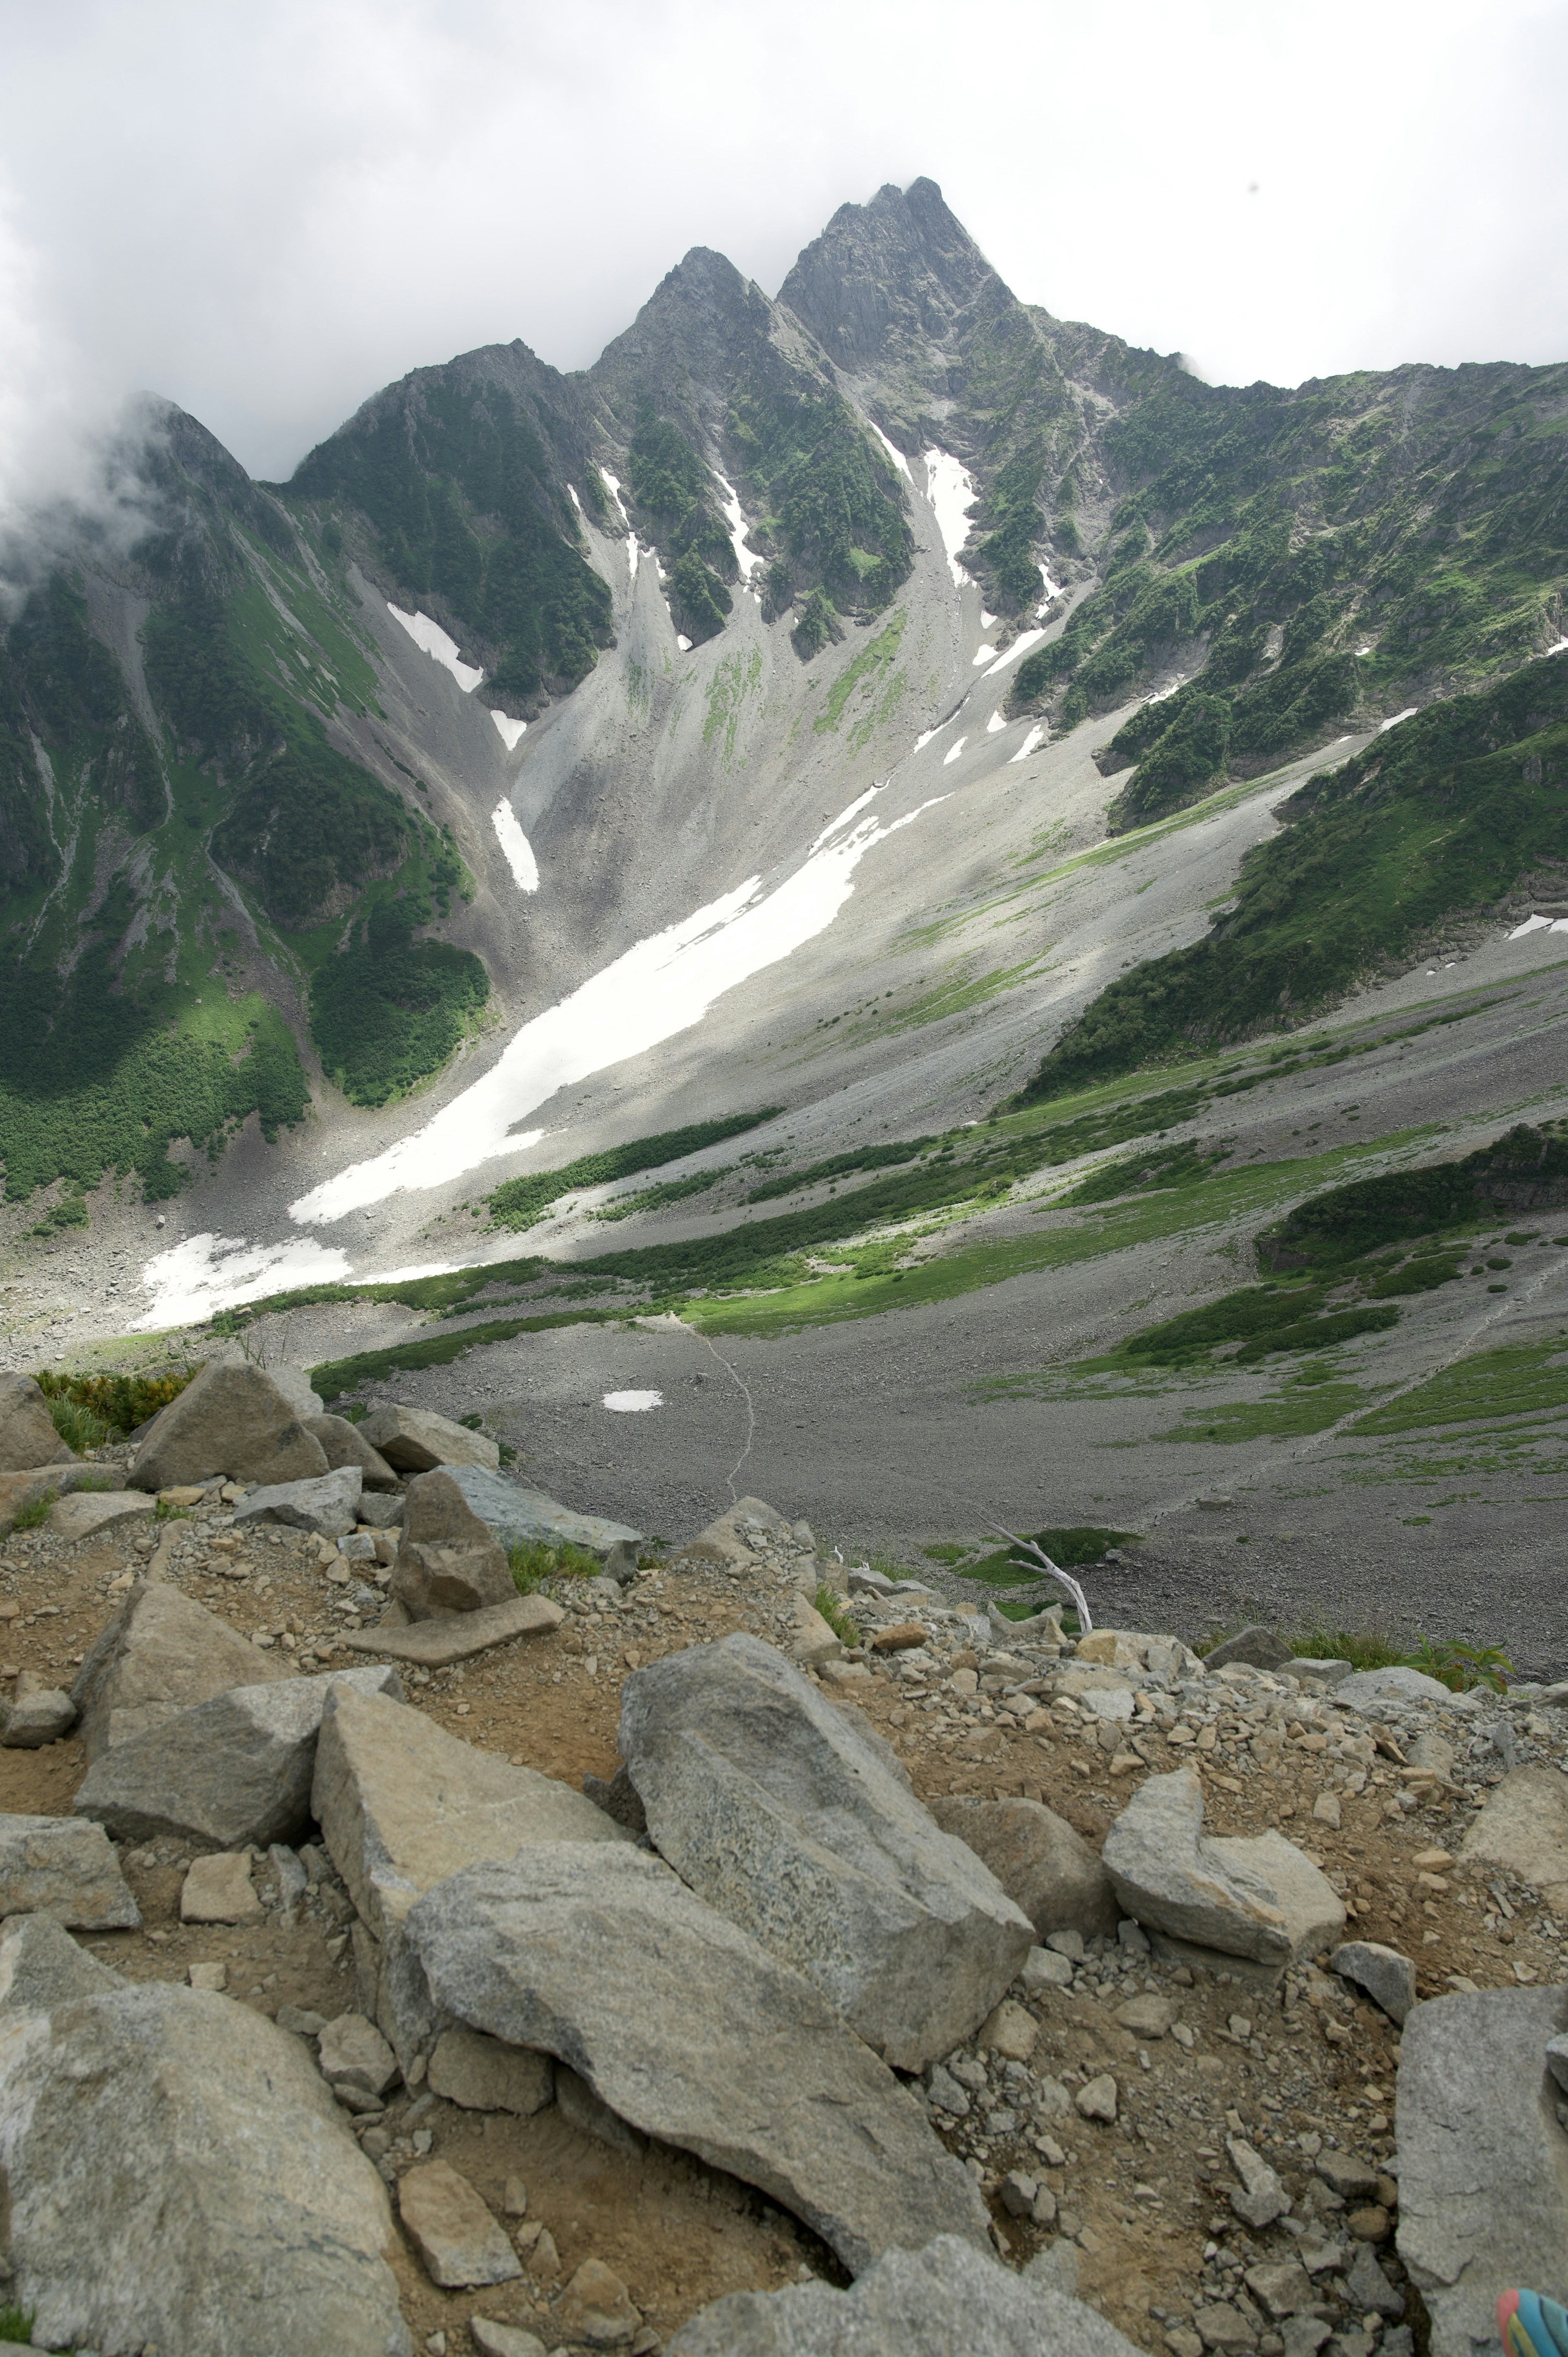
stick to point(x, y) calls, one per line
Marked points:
point(792, 911)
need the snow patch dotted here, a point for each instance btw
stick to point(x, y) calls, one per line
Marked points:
point(981, 655)
point(951, 756)
point(519, 851)
point(512, 731)
point(1536, 925)
point(951, 491)
point(893, 450)
point(744, 558)
point(577, 502)
point(1052, 593)
point(433, 639)
point(632, 1402)
point(685, 644)
point(1162, 692)
point(1036, 736)
point(995, 722)
point(1408, 713)
point(987, 621)
point(660, 986)
point(208, 1271)
point(1367, 651)
point(1560, 648)
point(613, 487)
point(1020, 646)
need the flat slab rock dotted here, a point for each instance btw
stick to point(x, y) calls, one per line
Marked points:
point(515, 1513)
point(1483, 2179)
point(231, 2212)
point(233, 1771)
point(689, 2030)
point(1523, 1828)
point(161, 1653)
point(328, 1503)
point(414, 1439)
point(926, 2303)
point(771, 1804)
point(59, 1866)
point(431, 1644)
point(1257, 1898)
point(85, 1512)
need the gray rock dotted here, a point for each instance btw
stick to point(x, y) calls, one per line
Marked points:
point(28, 1435)
point(355, 2055)
point(1148, 2015)
point(926, 2303)
point(233, 1771)
point(231, 1420)
point(1325, 1671)
point(583, 2109)
point(458, 1636)
point(1262, 2198)
point(329, 1505)
point(493, 2339)
point(343, 1443)
point(483, 2075)
point(686, 2027)
point(945, 2092)
point(88, 1513)
point(1282, 2289)
point(231, 2213)
point(449, 1560)
point(1375, 1689)
point(37, 1718)
point(54, 1865)
point(1388, 1977)
point(1370, 2287)
point(1483, 2188)
point(768, 1803)
point(1523, 1828)
point(1259, 1648)
point(595, 2310)
point(1045, 1867)
point(1045, 1968)
point(515, 1514)
point(414, 1440)
point(383, 1510)
point(619, 1798)
point(160, 1654)
point(402, 1805)
point(219, 1889)
point(41, 1965)
point(298, 1390)
point(453, 2232)
point(1257, 1898)
point(1352, 2179)
point(1557, 2061)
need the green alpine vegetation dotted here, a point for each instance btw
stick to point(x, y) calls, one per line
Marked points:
point(523, 1202)
point(675, 495)
point(389, 1010)
point(1437, 822)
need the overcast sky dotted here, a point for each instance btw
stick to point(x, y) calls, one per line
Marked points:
point(266, 210)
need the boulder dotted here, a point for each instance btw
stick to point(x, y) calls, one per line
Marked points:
point(41, 1965)
point(1045, 1867)
point(1257, 1647)
point(431, 1644)
point(38, 1716)
point(298, 1390)
point(494, 2339)
point(380, 1510)
point(449, 1560)
point(231, 2213)
point(811, 1640)
point(343, 1444)
point(88, 1513)
point(1325, 1671)
point(219, 1889)
point(234, 1771)
point(1483, 2187)
point(59, 1866)
point(1523, 1828)
point(1388, 1977)
point(514, 1514)
point(769, 1802)
point(451, 2229)
point(414, 1440)
point(1374, 1689)
point(161, 1653)
point(328, 1503)
point(483, 2075)
point(402, 1805)
point(686, 2027)
point(28, 1435)
point(230, 1420)
point(354, 2055)
point(926, 2303)
point(1258, 1898)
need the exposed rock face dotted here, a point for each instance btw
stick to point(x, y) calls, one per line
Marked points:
point(53, 1865)
point(927, 2303)
point(231, 2213)
point(1369, 1688)
point(449, 1560)
point(160, 1654)
point(1045, 1867)
point(768, 1803)
point(1258, 1898)
point(1483, 2184)
point(686, 2027)
point(343, 1443)
point(231, 1420)
point(1259, 1648)
point(328, 1504)
point(413, 1440)
point(28, 1435)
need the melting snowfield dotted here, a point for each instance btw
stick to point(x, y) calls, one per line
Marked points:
point(436, 643)
point(952, 494)
point(519, 851)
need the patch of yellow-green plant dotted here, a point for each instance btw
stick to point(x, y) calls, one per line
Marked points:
point(536, 1562)
point(830, 1606)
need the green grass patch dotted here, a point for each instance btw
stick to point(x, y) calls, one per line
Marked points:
point(1069, 1546)
point(659, 1198)
point(522, 1202)
point(536, 1562)
point(830, 1604)
point(1521, 1379)
point(1298, 1408)
point(35, 1512)
point(862, 671)
point(335, 1376)
point(388, 1011)
point(117, 1404)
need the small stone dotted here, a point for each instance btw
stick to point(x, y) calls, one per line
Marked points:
point(1281, 2290)
point(1224, 2328)
point(1147, 2016)
point(595, 2309)
point(218, 1889)
point(1326, 1809)
point(1018, 2193)
point(1010, 2030)
point(1557, 2061)
point(1388, 1977)
point(1351, 2180)
point(1240, 2027)
point(1097, 2100)
point(213, 1976)
point(1370, 2289)
point(1262, 2198)
point(453, 2232)
point(900, 1639)
point(1045, 1970)
point(494, 2339)
point(1303, 2336)
point(1066, 1944)
point(514, 2200)
point(355, 2055)
point(945, 2092)
point(300, 2020)
point(483, 2074)
point(544, 2258)
point(37, 1718)
point(1369, 2224)
point(1183, 2342)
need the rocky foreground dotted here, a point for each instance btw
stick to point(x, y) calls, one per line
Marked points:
point(393, 1960)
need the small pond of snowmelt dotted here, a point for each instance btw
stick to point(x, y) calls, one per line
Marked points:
point(950, 489)
point(1408, 713)
point(632, 1402)
point(893, 451)
point(512, 731)
point(951, 756)
point(748, 561)
point(519, 851)
point(1020, 646)
point(1036, 736)
point(207, 1273)
point(435, 642)
point(660, 986)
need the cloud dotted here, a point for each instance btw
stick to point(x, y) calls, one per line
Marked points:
point(267, 213)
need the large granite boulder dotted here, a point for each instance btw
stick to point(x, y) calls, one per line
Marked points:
point(343, 1444)
point(925, 2303)
point(51, 1865)
point(1483, 2163)
point(449, 1560)
point(41, 1965)
point(230, 1420)
point(515, 1514)
point(233, 1771)
point(328, 1504)
point(1258, 1898)
point(770, 1803)
point(415, 1440)
point(687, 2028)
point(1043, 1865)
point(160, 1654)
point(28, 1435)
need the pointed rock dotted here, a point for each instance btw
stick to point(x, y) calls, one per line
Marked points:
point(230, 1420)
point(162, 1653)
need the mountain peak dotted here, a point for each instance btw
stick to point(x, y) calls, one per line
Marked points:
point(898, 273)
